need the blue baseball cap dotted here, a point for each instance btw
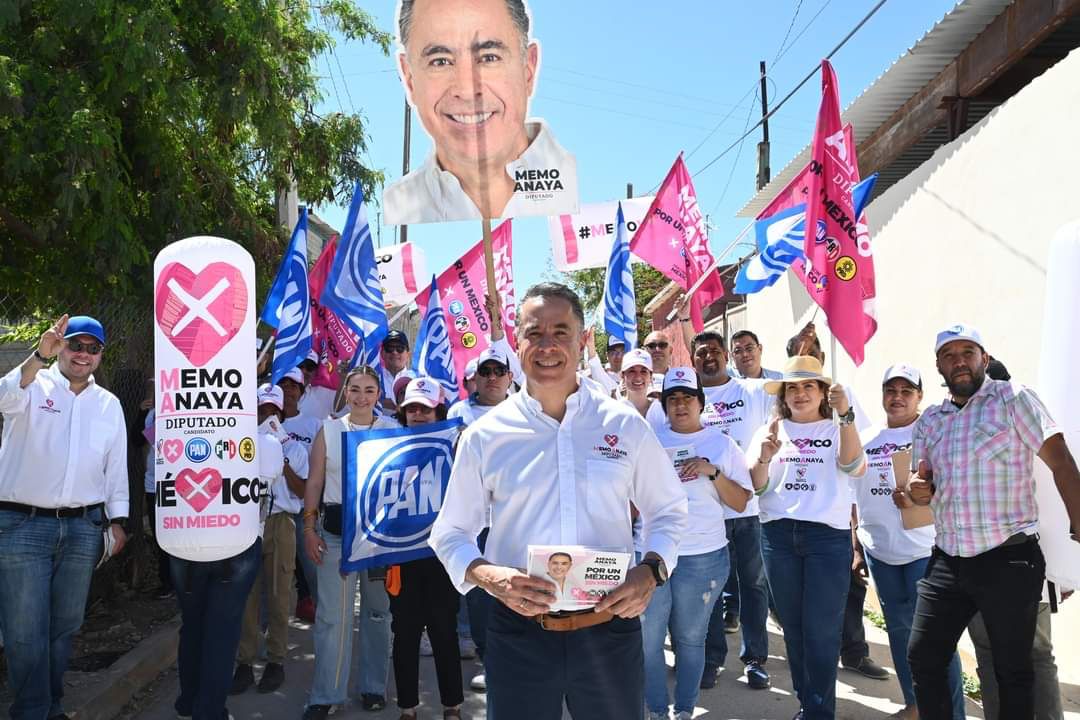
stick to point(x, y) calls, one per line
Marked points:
point(960, 331)
point(85, 325)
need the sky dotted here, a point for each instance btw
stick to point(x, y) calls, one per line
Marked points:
point(626, 86)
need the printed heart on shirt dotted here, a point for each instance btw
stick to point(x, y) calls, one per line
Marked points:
point(172, 449)
point(198, 488)
point(802, 443)
point(611, 440)
point(200, 313)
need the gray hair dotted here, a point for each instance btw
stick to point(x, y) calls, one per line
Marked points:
point(547, 290)
point(519, 15)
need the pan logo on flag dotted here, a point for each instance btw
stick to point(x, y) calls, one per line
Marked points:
point(461, 323)
point(846, 268)
point(456, 307)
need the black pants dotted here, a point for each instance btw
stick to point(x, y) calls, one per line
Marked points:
point(164, 578)
point(1004, 584)
point(427, 599)
point(598, 671)
point(853, 647)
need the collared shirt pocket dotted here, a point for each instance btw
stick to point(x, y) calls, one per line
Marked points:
point(992, 441)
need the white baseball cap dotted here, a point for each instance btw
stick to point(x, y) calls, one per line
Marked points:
point(492, 354)
point(403, 378)
point(612, 341)
point(637, 358)
point(657, 385)
point(960, 331)
point(272, 395)
point(422, 390)
point(471, 367)
point(907, 372)
point(313, 357)
point(296, 375)
point(681, 378)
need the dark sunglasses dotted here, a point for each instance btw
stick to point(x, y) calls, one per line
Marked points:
point(657, 345)
point(394, 348)
point(92, 348)
point(497, 371)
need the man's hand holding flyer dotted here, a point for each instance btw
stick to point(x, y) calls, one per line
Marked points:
point(582, 576)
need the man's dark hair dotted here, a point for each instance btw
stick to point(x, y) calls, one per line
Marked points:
point(705, 336)
point(518, 14)
point(745, 333)
point(557, 290)
point(793, 346)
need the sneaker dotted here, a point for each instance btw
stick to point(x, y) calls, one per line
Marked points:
point(162, 593)
point(708, 677)
point(731, 623)
point(316, 712)
point(868, 668)
point(659, 715)
point(372, 702)
point(478, 683)
point(466, 648)
point(272, 677)
point(756, 676)
point(425, 646)
point(684, 715)
point(801, 715)
point(305, 610)
point(242, 679)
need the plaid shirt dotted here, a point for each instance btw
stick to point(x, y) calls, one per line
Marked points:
point(981, 456)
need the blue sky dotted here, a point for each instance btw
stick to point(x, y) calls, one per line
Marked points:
point(627, 86)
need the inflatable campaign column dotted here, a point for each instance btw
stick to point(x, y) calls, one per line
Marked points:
point(207, 476)
point(1058, 389)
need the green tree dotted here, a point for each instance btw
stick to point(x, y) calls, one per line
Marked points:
point(589, 284)
point(128, 124)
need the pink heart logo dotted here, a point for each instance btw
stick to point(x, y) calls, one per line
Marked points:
point(198, 488)
point(48, 402)
point(173, 449)
point(611, 440)
point(201, 313)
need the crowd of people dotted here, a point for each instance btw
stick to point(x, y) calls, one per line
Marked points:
point(739, 491)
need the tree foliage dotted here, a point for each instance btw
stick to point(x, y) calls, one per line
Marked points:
point(128, 124)
point(589, 285)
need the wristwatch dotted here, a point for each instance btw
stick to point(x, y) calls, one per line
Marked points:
point(659, 569)
point(847, 418)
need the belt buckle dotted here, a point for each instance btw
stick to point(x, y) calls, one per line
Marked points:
point(540, 619)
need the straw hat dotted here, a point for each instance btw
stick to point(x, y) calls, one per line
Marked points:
point(797, 369)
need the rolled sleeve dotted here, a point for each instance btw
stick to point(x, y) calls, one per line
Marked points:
point(453, 535)
point(659, 497)
point(117, 502)
point(600, 375)
point(13, 399)
point(1033, 421)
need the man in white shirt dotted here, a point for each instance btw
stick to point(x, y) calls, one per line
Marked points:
point(63, 483)
point(746, 354)
point(492, 383)
point(394, 353)
point(469, 68)
point(559, 464)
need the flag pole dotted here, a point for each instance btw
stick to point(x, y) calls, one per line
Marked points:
point(401, 311)
point(712, 268)
point(489, 261)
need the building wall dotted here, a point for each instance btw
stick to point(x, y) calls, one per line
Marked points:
point(962, 238)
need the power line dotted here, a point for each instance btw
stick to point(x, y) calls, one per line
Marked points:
point(802, 32)
point(798, 6)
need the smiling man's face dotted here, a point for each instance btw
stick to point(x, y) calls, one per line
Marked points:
point(470, 73)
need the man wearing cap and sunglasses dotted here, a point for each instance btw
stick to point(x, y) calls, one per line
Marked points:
point(394, 354)
point(493, 378)
point(973, 455)
point(63, 483)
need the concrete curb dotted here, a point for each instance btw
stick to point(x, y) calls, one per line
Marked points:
point(118, 684)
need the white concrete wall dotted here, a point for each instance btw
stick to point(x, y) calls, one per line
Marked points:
point(963, 238)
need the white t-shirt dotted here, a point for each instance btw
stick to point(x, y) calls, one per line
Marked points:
point(881, 529)
point(737, 408)
point(804, 480)
point(705, 530)
point(317, 402)
point(468, 411)
point(303, 429)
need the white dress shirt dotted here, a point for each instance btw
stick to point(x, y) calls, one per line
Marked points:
point(431, 194)
point(557, 483)
point(60, 449)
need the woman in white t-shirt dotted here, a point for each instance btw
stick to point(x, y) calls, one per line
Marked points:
point(897, 557)
point(802, 462)
point(336, 592)
point(713, 474)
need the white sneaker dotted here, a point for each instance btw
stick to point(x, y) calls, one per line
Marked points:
point(478, 683)
point(466, 648)
point(425, 645)
point(684, 715)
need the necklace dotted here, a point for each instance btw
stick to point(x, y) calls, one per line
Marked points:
point(360, 426)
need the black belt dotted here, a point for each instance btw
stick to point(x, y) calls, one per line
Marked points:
point(66, 512)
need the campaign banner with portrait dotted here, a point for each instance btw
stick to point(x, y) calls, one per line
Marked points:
point(207, 477)
point(469, 70)
point(399, 268)
point(582, 576)
point(392, 489)
point(583, 240)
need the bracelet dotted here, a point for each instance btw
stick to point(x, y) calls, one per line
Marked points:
point(684, 319)
point(41, 358)
point(309, 528)
point(309, 513)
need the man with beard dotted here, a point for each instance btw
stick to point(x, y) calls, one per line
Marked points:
point(974, 456)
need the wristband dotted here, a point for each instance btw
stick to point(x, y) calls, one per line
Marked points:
point(41, 358)
point(309, 513)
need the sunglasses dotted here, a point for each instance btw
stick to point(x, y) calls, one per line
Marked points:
point(496, 371)
point(394, 348)
point(657, 345)
point(92, 348)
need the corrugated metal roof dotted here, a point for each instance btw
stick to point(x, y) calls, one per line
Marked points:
point(904, 78)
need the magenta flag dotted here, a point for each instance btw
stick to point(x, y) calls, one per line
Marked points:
point(673, 240)
point(462, 287)
point(330, 338)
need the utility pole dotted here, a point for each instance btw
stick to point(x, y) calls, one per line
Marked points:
point(629, 190)
point(763, 171)
point(405, 160)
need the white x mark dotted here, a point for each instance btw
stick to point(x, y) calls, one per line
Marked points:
point(200, 487)
point(198, 308)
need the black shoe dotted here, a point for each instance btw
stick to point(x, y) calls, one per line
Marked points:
point(372, 702)
point(731, 623)
point(868, 668)
point(799, 715)
point(316, 712)
point(756, 677)
point(708, 677)
point(272, 677)
point(242, 679)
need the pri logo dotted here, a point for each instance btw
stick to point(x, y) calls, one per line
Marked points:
point(461, 323)
point(198, 488)
point(225, 449)
point(200, 313)
point(456, 308)
point(173, 450)
point(197, 450)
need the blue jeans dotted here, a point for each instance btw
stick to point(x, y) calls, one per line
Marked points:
point(809, 566)
point(212, 597)
point(333, 627)
point(371, 650)
point(750, 597)
point(897, 589)
point(45, 570)
point(685, 602)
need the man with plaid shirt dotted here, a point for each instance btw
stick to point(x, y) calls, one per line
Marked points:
point(974, 456)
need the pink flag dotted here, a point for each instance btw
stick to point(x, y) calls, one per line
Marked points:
point(462, 287)
point(673, 240)
point(330, 338)
point(832, 245)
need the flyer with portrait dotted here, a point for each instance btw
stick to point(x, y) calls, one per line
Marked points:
point(680, 458)
point(582, 575)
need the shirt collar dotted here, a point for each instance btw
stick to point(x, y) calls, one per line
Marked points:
point(58, 377)
point(574, 401)
point(984, 391)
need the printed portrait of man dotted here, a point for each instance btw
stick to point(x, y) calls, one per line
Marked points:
point(558, 570)
point(469, 68)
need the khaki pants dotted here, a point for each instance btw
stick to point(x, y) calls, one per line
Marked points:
point(275, 574)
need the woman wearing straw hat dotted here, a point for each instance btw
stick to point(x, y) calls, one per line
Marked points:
point(802, 463)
